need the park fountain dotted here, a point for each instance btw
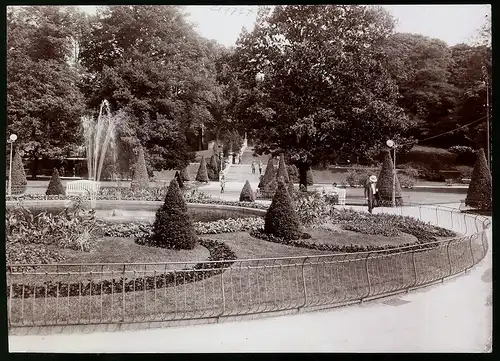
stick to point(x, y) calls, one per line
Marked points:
point(99, 136)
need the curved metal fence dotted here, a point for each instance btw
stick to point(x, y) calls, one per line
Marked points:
point(78, 294)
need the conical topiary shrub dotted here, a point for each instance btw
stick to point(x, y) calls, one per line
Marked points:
point(140, 179)
point(385, 182)
point(173, 227)
point(268, 183)
point(479, 194)
point(184, 174)
point(178, 178)
point(213, 169)
point(55, 186)
point(18, 182)
point(247, 194)
point(202, 175)
point(282, 170)
point(310, 180)
point(281, 218)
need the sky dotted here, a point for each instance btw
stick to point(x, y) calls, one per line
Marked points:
point(454, 24)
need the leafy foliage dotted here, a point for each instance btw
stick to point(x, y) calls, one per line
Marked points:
point(324, 92)
point(173, 227)
point(479, 194)
point(213, 168)
point(247, 194)
point(282, 170)
point(55, 186)
point(178, 178)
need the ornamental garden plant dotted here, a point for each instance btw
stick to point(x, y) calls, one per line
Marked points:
point(184, 174)
point(19, 182)
point(385, 182)
point(268, 183)
point(213, 169)
point(140, 179)
point(178, 178)
point(55, 186)
point(247, 194)
point(202, 175)
point(281, 218)
point(173, 227)
point(479, 194)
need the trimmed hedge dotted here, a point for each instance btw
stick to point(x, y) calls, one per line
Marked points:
point(202, 175)
point(55, 186)
point(268, 182)
point(213, 169)
point(385, 181)
point(179, 180)
point(282, 170)
point(173, 227)
point(140, 179)
point(19, 182)
point(184, 174)
point(247, 194)
point(281, 218)
point(479, 194)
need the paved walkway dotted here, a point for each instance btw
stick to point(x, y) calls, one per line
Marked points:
point(455, 316)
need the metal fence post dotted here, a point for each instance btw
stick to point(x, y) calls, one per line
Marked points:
point(368, 276)
point(471, 252)
point(304, 283)
point(414, 267)
point(222, 289)
point(449, 257)
point(123, 294)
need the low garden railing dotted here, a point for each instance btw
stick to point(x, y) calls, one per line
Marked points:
point(79, 294)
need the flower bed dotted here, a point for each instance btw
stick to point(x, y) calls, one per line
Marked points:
point(218, 252)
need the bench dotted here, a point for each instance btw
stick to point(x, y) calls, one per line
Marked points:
point(82, 187)
point(340, 192)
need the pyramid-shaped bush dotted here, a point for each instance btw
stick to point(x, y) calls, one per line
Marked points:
point(282, 170)
point(202, 175)
point(141, 178)
point(281, 218)
point(385, 182)
point(213, 169)
point(479, 194)
point(247, 194)
point(184, 174)
point(55, 186)
point(178, 178)
point(268, 182)
point(19, 182)
point(173, 227)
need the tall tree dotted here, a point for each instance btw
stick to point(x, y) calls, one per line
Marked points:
point(44, 103)
point(325, 90)
point(149, 62)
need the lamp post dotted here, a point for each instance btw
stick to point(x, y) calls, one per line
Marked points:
point(11, 140)
point(391, 144)
point(485, 75)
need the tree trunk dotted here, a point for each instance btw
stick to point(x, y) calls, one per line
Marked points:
point(34, 168)
point(303, 168)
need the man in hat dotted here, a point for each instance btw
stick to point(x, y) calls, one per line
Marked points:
point(371, 192)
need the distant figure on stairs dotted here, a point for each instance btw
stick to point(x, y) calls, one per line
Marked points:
point(260, 167)
point(253, 167)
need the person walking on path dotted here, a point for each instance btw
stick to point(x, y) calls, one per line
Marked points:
point(260, 167)
point(253, 167)
point(222, 180)
point(371, 192)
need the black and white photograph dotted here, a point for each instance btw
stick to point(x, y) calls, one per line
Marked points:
point(242, 178)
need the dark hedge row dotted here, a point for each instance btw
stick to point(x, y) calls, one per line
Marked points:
point(336, 248)
point(218, 251)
